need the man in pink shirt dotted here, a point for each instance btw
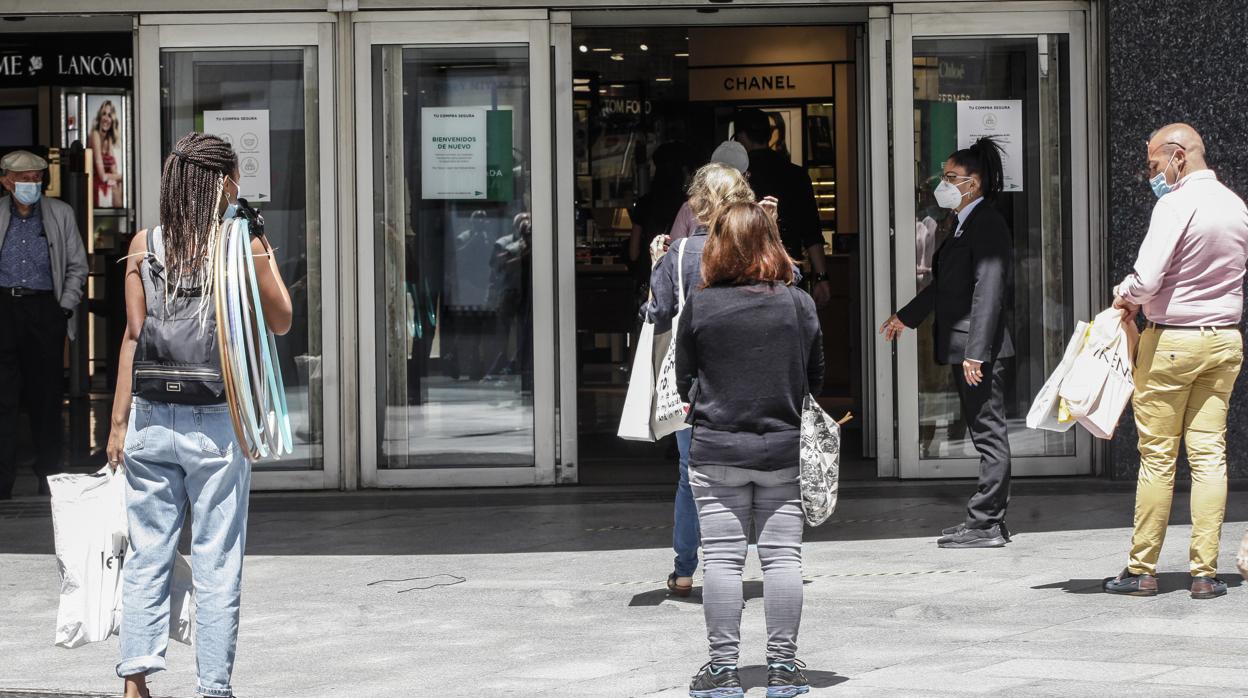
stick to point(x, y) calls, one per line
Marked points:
point(1188, 279)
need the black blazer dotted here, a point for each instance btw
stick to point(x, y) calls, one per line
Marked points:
point(973, 277)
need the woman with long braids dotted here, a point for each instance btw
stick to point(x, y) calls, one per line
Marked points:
point(171, 426)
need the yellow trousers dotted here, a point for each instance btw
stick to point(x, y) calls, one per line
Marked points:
point(1183, 381)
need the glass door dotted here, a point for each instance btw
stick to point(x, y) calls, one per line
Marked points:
point(267, 87)
point(455, 191)
point(1021, 78)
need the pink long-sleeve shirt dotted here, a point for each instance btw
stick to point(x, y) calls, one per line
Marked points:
point(1190, 270)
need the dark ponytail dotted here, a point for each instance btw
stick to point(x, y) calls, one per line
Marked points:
point(983, 158)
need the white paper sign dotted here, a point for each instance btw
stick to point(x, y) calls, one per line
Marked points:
point(452, 153)
point(1001, 119)
point(247, 130)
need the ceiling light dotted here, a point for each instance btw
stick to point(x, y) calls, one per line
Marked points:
point(580, 81)
point(681, 55)
point(662, 79)
point(601, 50)
point(581, 88)
point(618, 85)
point(645, 48)
point(617, 56)
point(584, 48)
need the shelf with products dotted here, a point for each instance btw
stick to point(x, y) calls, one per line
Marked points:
point(820, 151)
point(823, 179)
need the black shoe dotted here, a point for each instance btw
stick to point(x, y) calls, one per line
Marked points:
point(785, 679)
point(1005, 533)
point(1131, 584)
point(716, 681)
point(974, 538)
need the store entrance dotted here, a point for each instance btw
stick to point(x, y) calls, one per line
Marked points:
point(650, 105)
point(66, 95)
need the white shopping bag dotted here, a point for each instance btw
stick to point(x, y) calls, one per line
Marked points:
point(1043, 412)
point(89, 528)
point(669, 409)
point(91, 537)
point(637, 414)
point(1101, 381)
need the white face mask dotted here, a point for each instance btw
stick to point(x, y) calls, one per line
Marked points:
point(948, 195)
point(231, 207)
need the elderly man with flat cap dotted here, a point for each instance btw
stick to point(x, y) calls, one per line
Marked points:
point(43, 267)
point(1189, 281)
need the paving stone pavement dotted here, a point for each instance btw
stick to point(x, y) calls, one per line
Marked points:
point(548, 596)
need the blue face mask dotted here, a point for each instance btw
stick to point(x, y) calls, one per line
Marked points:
point(1160, 186)
point(27, 193)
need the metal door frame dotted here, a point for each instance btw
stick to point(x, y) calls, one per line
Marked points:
point(906, 26)
point(512, 27)
point(157, 32)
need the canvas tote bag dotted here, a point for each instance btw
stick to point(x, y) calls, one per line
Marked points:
point(669, 409)
point(1044, 410)
point(638, 419)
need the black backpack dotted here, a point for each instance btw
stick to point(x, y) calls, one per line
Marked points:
point(177, 360)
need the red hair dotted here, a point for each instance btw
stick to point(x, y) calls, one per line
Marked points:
point(744, 247)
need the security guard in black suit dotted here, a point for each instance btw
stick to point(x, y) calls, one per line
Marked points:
point(973, 275)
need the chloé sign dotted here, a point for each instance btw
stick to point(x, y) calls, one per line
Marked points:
point(760, 82)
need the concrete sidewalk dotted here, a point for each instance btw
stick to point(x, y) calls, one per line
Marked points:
point(560, 593)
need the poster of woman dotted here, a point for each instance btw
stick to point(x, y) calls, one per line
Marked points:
point(108, 148)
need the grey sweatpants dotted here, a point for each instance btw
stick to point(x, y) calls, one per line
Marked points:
point(727, 499)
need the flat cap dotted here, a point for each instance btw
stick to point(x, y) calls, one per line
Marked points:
point(22, 161)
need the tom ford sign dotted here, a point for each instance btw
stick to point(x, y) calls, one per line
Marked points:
point(74, 60)
point(760, 82)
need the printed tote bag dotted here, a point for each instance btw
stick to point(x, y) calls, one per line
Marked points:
point(819, 470)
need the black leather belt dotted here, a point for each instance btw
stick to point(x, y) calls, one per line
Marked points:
point(1159, 326)
point(19, 292)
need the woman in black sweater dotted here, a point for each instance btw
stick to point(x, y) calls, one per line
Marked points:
point(749, 349)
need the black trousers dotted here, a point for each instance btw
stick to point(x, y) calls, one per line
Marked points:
point(32, 374)
point(983, 409)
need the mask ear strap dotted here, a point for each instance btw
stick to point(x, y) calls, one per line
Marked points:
point(1171, 162)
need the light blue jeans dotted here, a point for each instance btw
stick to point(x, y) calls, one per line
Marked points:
point(685, 534)
point(175, 456)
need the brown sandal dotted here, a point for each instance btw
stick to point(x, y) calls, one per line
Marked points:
point(681, 590)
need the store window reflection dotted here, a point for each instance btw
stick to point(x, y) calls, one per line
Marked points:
point(276, 90)
point(1016, 89)
point(454, 239)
